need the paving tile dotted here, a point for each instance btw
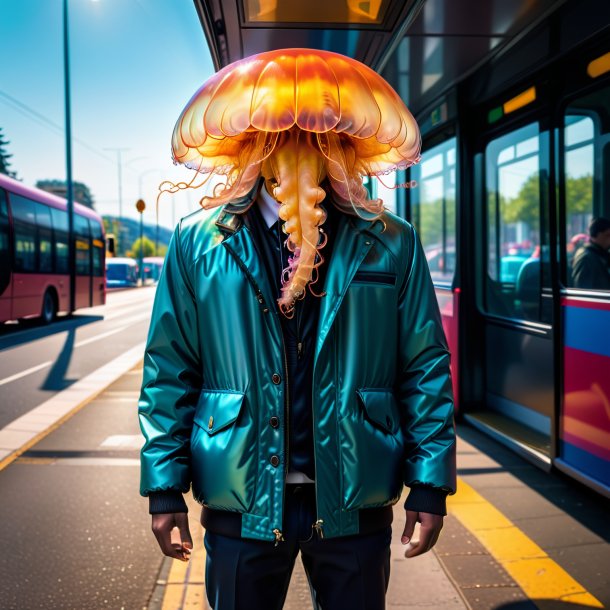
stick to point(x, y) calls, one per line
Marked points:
point(496, 598)
point(455, 539)
point(476, 571)
point(524, 503)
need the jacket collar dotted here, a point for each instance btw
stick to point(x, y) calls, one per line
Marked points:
point(354, 238)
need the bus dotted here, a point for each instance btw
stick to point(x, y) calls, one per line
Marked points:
point(152, 269)
point(34, 269)
point(121, 272)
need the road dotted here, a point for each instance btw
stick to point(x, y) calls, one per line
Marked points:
point(37, 362)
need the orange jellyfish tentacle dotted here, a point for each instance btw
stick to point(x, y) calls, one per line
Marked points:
point(298, 169)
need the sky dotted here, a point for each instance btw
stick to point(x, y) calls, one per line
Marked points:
point(134, 64)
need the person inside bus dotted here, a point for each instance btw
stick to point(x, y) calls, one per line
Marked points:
point(591, 264)
point(297, 389)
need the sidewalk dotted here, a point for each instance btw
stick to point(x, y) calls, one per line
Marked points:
point(488, 555)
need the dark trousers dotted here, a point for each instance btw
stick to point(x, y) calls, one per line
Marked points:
point(350, 572)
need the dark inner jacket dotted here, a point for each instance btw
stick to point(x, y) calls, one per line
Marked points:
point(299, 334)
point(299, 331)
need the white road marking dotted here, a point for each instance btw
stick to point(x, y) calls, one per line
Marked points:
point(114, 331)
point(26, 372)
point(92, 461)
point(24, 430)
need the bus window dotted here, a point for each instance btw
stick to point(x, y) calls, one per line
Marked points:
point(5, 267)
point(60, 228)
point(433, 208)
point(586, 190)
point(45, 238)
point(83, 245)
point(514, 255)
point(98, 249)
point(24, 222)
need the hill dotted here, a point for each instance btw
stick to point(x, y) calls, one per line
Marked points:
point(130, 231)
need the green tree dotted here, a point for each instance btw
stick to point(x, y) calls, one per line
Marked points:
point(525, 207)
point(4, 157)
point(82, 193)
point(579, 195)
point(148, 246)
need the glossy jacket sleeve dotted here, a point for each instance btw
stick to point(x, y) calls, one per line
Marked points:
point(424, 379)
point(171, 381)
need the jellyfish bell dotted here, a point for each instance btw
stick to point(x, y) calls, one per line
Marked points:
point(297, 117)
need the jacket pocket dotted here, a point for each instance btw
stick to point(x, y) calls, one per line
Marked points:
point(380, 408)
point(218, 409)
point(372, 451)
point(223, 451)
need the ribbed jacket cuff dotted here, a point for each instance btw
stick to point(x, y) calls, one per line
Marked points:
point(169, 501)
point(425, 499)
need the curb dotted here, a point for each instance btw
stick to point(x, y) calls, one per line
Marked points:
point(25, 431)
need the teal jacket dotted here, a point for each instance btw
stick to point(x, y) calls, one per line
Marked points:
point(214, 375)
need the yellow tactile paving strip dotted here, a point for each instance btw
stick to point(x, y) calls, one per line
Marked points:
point(185, 587)
point(533, 570)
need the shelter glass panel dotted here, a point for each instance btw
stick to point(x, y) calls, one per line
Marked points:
point(515, 260)
point(433, 208)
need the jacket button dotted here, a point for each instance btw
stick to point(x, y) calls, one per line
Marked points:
point(275, 460)
point(276, 378)
point(274, 421)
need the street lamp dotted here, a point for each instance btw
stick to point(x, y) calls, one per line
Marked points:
point(141, 206)
point(150, 171)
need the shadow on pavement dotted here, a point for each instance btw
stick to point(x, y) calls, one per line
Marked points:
point(56, 380)
point(12, 335)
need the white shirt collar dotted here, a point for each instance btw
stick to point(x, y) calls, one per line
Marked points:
point(269, 207)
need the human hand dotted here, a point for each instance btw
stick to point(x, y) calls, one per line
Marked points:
point(162, 526)
point(431, 526)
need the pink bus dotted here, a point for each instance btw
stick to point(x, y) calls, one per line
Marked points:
point(34, 272)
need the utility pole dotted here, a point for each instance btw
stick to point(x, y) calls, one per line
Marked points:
point(69, 184)
point(119, 244)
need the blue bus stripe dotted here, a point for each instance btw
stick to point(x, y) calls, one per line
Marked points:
point(585, 462)
point(587, 330)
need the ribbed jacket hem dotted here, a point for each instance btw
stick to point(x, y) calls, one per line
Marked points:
point(169, 501)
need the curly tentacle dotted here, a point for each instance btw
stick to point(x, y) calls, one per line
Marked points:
point(298, 169)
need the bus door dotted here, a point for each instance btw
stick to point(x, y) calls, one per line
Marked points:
point(83, 286)
point(514, 294)
point(584, 423)
point(6, 258)
point(98, 273)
